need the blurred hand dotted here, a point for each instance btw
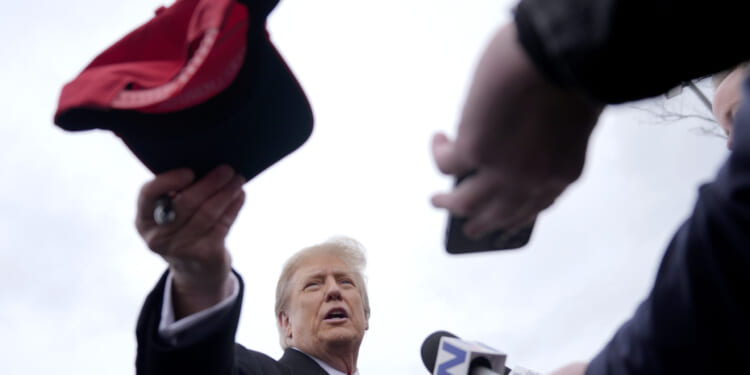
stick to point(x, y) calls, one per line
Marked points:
point(578, 368)
point(193, 245)
point(524, 137)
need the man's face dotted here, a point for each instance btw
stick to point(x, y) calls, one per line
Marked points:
point(727, 100)
point(325, 307)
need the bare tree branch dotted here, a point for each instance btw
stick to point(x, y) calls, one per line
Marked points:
point(713, 131)
point(700, 96)
point(683, 107)
point(666, 115)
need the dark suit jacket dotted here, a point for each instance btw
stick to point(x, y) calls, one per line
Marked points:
point(211, 352)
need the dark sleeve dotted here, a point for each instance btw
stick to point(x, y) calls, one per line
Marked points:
point(696, 319)
point(622, 50)
point(212, 354)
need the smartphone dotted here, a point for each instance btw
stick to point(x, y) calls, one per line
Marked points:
point(456, 241)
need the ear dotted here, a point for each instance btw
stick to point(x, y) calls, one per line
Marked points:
point(367, 320)
point(285, 324)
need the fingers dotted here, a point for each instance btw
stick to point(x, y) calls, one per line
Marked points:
point(576, 368)
point(187, 202)
point(445, 156)
point(176, 179)
point(162, 184)
point(212, 210)
point(509, 214)
point(201, 240)
point(488, 219)
point(467, 197)
point(489, 203)
point(213, 201)
point(230, 215)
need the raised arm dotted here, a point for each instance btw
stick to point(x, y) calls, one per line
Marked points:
point(193, 244)
point(199, 264)
point(524, 136)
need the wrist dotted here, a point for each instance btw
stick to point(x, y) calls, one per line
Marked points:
point(196, 287)
point(188, 299)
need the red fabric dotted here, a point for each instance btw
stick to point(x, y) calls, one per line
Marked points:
point(183, 56)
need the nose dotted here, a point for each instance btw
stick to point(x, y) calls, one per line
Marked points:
point(333, 292)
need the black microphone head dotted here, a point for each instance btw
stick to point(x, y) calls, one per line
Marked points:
point(430, 348)
point(480, 362)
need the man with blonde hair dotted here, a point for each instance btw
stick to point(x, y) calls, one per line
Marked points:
point(188, 322)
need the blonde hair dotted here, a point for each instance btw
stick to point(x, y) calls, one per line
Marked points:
point(348, 250)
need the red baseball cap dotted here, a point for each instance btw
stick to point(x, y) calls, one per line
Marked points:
point(198, 85)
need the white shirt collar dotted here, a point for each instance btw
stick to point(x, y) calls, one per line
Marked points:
point(326, 367)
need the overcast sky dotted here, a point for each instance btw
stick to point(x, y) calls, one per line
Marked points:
point(382, 77)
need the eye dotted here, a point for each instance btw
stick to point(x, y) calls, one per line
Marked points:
point(311, 285)
point(347, 282)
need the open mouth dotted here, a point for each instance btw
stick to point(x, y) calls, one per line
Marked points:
point(336, 313)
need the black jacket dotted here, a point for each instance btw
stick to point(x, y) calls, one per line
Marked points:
point(622, 50)
point(697, 317)
point(215, 353)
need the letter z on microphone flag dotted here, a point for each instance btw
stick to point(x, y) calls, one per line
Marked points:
point(454, 356)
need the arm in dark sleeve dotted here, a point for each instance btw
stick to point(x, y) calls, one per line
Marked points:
point(621, 50)
point(697, 317)
point(212, 353)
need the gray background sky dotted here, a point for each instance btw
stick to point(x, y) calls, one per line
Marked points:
point(382, 77)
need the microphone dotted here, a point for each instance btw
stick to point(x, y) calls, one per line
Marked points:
point(443, 353)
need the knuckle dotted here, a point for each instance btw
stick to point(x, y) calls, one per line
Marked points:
point(465, 207)
point(187, 201)
point(145, 188)
point(155, 243)
point(148, 190)
point(140, 226)
point(207, 213)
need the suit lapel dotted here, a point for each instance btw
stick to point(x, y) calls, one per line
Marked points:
point(300, 363)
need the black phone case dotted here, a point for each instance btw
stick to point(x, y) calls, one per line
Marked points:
point(456, 241)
